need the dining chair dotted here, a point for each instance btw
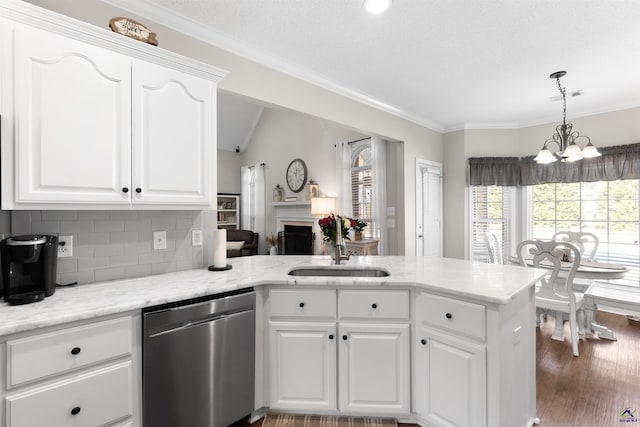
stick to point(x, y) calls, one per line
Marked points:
point(493, 248)
point(556, 293)
point(586, 242)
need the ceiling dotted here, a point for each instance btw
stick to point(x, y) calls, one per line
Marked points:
point(447, 64)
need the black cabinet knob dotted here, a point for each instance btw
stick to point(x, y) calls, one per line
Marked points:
point(75, 411)
point(330, 336)
point(344, 337)
point(75, 350)
point(423, 341)
point(448, 316)
point(138, 190)
point(374, 305)
point(125, 189)
point(301, 305)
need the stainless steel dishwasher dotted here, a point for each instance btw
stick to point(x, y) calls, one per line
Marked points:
point(198, 361)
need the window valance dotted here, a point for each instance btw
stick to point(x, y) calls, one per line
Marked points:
point(617, 162)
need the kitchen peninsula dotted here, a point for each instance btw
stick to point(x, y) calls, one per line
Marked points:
point(457, 338)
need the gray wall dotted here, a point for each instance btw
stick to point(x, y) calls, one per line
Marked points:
point(109, 245)
point(229, 163)
point(606, 129)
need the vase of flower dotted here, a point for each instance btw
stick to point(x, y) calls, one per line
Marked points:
point(357, 225)
point(272, 241)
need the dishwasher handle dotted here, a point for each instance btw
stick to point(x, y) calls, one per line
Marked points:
point(167, 329)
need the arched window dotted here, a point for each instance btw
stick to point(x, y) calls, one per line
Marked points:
point(362, 186)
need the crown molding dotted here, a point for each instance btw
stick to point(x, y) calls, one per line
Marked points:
point(187, 26)
point(549, 120)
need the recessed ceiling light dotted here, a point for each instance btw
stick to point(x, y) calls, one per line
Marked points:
point(377, 6)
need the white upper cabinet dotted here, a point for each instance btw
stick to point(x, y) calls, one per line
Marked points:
point(95, 120)
point(172, 132)
point(73, 111)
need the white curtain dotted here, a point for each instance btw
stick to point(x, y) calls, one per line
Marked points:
point(343, 166)
point(252, 202)
point(379, 197)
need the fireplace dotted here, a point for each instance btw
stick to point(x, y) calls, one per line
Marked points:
point(294, 219)
point(296, 240)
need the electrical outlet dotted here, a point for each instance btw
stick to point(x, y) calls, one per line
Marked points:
point(65, 246)
point(159, 240)
point(196, 238)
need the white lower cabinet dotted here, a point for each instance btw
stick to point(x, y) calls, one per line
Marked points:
point(450, 380)
point(374, 368)
point(318, 362)
point(82, 374)
point(95, 399)
point(303, 365)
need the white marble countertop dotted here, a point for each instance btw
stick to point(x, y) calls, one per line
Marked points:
point(488, 283)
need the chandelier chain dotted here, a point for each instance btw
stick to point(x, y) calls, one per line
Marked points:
point(564, 101)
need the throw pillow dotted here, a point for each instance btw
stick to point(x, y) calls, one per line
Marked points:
point(234, 245)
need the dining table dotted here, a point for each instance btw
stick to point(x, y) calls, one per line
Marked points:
point(586, 274)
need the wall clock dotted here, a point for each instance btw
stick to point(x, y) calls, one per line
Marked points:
point(296, 175)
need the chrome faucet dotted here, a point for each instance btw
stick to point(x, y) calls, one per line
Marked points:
point(340, 243)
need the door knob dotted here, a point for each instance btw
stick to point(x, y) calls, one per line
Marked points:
point(125, 189)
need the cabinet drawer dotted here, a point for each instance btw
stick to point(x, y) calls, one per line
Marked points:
point(52, 353)
point(373, 304)
point(306, 303)
point(92, 399)
point(458, 316)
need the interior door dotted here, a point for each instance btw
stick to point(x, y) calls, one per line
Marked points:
point(428, 208)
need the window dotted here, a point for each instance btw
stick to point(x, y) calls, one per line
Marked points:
point(361, 187)
point(492, 212)
point(608, 209)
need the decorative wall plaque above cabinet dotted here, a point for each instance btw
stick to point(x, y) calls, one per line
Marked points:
point(130, 28)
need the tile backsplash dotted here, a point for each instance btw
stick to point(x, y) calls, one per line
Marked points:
point(109, 245)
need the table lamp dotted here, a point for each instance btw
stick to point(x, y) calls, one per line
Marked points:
point(323, 205)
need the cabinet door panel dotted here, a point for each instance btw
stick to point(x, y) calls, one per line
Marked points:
point(374, 368)
point(302, 365)
point(172, 133)
point(451, 381)
point(73, 120)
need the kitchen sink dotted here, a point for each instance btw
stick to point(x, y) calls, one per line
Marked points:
point(335, 271)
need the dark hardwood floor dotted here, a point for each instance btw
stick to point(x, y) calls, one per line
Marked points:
point(590, 390)
point(586, 391)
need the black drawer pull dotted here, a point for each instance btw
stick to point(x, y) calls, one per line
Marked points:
point(75, 411)
point(301, 305)
point(448, 316)
point(330, 336)
point(125, 189)
point(423, 341)
point(374, 305)
point(75, 350)
point(344, 337)
point(138, 190)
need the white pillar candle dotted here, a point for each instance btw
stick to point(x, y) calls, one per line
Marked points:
point(220, 248)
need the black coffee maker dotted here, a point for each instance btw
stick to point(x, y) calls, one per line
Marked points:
point(28, 267)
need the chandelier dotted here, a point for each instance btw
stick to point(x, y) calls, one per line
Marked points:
point(565, 137)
